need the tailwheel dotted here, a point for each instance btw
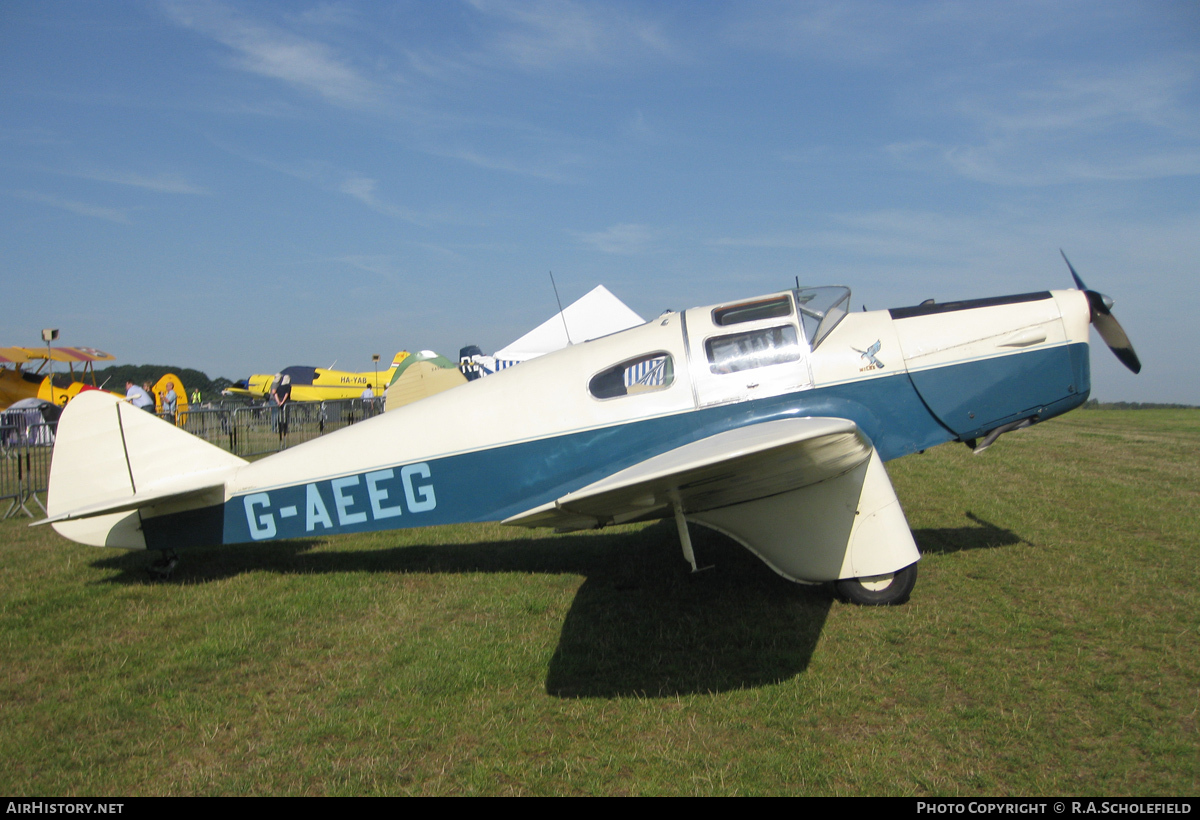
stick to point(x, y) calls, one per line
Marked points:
point(878, 590)
point(165, 566)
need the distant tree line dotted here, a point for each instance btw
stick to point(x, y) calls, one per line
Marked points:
point(114, 378)
point(1094, 404)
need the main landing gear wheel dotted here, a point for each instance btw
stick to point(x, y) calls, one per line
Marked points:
point(878, 590)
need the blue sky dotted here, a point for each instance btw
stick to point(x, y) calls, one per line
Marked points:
point(240, 187)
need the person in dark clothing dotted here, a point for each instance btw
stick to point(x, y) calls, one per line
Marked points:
point(282, 394)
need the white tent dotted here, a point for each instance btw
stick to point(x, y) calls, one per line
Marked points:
point(597, 313)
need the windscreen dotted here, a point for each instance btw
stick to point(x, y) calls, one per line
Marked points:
point(820, 310)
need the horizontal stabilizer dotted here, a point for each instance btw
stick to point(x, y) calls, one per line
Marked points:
point(160, 498)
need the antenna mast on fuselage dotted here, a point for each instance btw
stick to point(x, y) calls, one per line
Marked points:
point(560, 309)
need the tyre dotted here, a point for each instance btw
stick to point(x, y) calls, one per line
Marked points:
point(878, 590)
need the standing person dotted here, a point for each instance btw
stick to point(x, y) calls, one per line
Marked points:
point(272, 403)
point(138, 397)
point(170, 398)
point(368, 400)
point(283, 396)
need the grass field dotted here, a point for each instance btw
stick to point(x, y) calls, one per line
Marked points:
point(1051, 647)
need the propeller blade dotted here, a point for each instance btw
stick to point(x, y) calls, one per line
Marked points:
point(1106, 324)
point(1078, 282)
point(1117, 340)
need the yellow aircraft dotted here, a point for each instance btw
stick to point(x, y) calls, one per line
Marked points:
point(319, 383)
point(16, 383)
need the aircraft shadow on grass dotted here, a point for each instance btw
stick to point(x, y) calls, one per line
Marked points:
point(640, 625)
point(983, 535)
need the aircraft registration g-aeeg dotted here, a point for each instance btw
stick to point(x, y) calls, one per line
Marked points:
point(767, 419)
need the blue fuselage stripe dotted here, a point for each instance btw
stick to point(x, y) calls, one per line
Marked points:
point(494, 484)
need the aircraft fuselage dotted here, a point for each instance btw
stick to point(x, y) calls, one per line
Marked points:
point(909, 378)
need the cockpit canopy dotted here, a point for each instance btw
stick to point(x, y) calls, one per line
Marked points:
point(820, 310)
point(769, 335)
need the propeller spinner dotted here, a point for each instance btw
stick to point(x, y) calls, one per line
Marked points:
point(1107, 326)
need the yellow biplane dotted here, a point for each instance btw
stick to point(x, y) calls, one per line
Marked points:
point(17, 383)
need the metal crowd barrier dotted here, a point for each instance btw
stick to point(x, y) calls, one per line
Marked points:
point(260, 429)
point(245, 431)
point(25, 451)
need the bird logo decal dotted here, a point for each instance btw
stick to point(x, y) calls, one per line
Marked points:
point(869, 353)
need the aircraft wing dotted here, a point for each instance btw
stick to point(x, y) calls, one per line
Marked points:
point(723, 470)
point(58, 354)
point(809, 496)
point(13, 355)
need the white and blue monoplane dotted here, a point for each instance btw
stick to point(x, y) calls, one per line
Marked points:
point(767, 419)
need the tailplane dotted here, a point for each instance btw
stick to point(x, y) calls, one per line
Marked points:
point(115, 467)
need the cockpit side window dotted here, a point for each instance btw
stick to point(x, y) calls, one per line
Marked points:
point(775, 308)
point(645, 374)
point(754, 348)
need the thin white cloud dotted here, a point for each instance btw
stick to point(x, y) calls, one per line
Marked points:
point(329, 177)
point(1150, 95)
point(380, 265)
point(358, 187)
point(1001, 103)
point(841, 31)
point(550, 169)
point(31, 135)
point(640, 129)
point(550, 33)
point(440, 68)
point(539, 35)
point(330, 14)
point(895, 36)
point(161, 183)
point(892, 236)
point(626, 239)
point(809, 155)
point(270, 51)
point(1018, 164)
point(81, 208)
point(894, 252)
point(1124, 122)
point(363, 189)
